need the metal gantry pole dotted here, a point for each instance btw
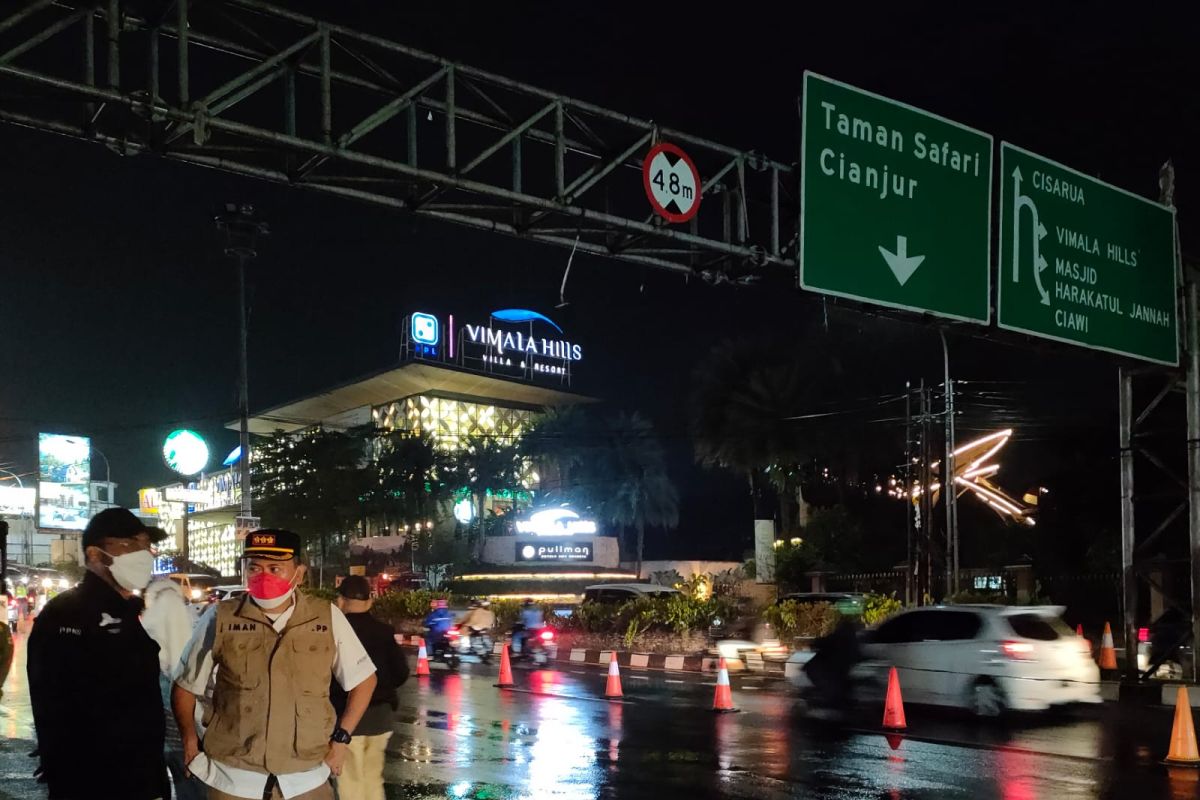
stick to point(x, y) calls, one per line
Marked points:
point(1128, 575)
point(1192, 313)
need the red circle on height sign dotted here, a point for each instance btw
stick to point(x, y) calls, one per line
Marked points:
point(675, 200)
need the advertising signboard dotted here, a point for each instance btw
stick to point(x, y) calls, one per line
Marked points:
point(64, 472)
point(543, 551)
point(17, 502)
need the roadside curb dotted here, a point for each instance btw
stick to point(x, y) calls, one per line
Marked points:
point(639, 661)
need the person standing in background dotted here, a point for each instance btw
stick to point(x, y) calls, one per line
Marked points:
point(93, 674)
point(362, 775)
point(169, 623)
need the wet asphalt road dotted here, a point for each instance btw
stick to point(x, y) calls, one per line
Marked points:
point(457, 736)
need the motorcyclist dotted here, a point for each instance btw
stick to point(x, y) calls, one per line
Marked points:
point(437, 623)
point(479, 619)
point(829, 670)
point(529, 621)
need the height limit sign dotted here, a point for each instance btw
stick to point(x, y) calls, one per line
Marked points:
point(672, 183)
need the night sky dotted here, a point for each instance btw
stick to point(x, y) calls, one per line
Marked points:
point(117, 309)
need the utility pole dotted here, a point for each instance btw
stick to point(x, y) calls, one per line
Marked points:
point(909, 520)
point(924, 498)
point(927, 479)
point(949, 489)
point(241, 231)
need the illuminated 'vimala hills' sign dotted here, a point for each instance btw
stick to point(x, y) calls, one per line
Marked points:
point(514, 342)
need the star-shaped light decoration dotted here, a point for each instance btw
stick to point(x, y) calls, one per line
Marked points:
point(972, 470)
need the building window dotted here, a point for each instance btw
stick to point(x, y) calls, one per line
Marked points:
point(449, 422)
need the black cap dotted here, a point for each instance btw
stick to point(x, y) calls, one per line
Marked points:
point(272, 544)
point(117, 523)
point(354, 587)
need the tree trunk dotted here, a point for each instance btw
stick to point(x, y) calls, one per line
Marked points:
point(641, 543)
point(479, 522)
point(321, 571)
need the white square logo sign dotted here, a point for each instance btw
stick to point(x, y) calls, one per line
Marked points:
point(424, 329)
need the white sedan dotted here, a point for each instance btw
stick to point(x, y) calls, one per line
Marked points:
point(984, 658)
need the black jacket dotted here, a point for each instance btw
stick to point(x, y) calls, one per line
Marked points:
point(93, 683)
point(391, 667)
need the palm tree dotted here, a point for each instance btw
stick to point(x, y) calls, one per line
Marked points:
point(409, 476)
point(487, 464)
point(742, 396)
point(561, 443)
point(630, 479)
point(311, 482)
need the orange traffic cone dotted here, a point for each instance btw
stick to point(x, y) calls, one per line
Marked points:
point(506, 676)
point(893, 707)
point(1183, 733)
point(613, 689)
point(1079, 630)
point(1108, 653)
point(723, 697)
point(422, 661)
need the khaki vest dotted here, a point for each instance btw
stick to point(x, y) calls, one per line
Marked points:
point(271, 710)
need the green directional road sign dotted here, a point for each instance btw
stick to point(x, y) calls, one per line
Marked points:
point(895, 204)
point(1085, 262)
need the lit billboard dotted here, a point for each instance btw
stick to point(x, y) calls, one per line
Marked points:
point(17, 502)
point(64, 472)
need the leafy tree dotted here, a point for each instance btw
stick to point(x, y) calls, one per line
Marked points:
point(563, 443)
point(408, 479)
point(616, 466)
point(637, 491)
point(743, 394)
point(486, 464)
point(311, 483)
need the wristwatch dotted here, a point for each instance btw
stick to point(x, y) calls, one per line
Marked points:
point(340, 736)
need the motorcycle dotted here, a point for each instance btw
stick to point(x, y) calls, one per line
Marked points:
point(475, 645)
point(535, 646)
point(445, 648)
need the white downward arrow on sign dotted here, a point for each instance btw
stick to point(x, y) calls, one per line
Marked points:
point(900, 262)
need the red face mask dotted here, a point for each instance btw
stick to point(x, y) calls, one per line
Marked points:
point(265, 586)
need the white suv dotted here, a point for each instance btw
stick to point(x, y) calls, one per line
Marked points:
point(985, 658)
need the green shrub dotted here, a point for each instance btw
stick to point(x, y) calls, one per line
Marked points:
point(320, 592)
point(407, 605)
point(677, 613)
point(795, 619)
point(878, 607)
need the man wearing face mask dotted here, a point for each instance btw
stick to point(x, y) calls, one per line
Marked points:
point(93, 673)
point(272, 732)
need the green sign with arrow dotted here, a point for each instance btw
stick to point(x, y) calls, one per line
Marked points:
point(895, 204)
point(1084, 262)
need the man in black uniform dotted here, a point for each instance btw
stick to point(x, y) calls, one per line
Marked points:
point(93, 674)
point(362, 775)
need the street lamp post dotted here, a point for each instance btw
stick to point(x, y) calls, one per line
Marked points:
point(107, 478)
point(241, 231)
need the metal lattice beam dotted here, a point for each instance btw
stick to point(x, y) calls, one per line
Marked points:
point(291, 99)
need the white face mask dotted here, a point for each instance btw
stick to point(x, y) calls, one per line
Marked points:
point(132, 571)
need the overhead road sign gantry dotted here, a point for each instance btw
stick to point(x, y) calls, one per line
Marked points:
point(895, 205)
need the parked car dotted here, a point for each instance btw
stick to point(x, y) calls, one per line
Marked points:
point(218, 593)
point(988, 659)
point(624, 592)
point(195, 586)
